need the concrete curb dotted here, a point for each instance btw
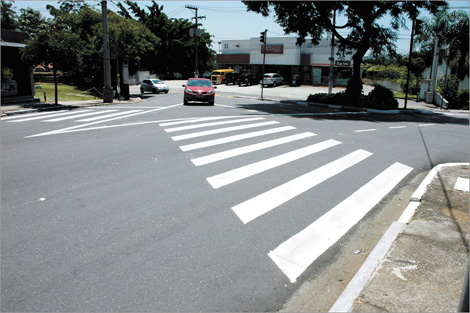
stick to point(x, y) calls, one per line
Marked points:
point(345, 107)
point(366, 273)
point(71, 105)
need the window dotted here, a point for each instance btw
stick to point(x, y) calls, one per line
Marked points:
point(225, 45)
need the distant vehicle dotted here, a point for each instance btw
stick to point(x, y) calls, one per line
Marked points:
point(153, 85)
point(176, 75)
point(231, 78)
point(272, 79)
point(218, 75)
point(199, 89)
point(248, 79)
point(207, 75)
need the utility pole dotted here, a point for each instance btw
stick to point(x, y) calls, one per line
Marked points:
point(197, 33)
point(263, 38)
point(332, 59)
point(107, 89)
point(416, 25)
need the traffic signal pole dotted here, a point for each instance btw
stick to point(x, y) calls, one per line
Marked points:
point(263, 40)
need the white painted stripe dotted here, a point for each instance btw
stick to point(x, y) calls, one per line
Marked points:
point(221, 130)
point(108, 115)
point(462, 184)
point(297, 253)
point(365, 130)
point(18, 116)
point(74, 128)
point(424, 125)
point(47, 116)
point(397, 127)
point(259, 205)
point(196, 120)
point(240, 173)
point(76, 116)
point(215, 142)
point(174, 129)
point(247, 149)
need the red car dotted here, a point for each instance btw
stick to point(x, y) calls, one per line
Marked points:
point(199, 89)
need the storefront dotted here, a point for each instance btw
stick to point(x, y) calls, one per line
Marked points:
point(307, 63)
point(17, 77)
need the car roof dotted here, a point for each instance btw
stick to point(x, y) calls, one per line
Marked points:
point(198, 78)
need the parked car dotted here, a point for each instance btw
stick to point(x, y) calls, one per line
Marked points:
point(207, 75)
point(272, 79)
point(175, 75)
point(153, 85)
point(248, 79)
point(199, 89)
point(231, 78)
point(218, 75)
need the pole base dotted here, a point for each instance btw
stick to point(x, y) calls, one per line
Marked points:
point(108, 94)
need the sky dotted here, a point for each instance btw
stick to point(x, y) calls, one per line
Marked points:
point(228, 20)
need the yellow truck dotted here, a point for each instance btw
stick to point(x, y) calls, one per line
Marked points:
point(218, 75)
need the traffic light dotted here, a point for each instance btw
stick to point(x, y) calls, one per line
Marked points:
point(262, 38)
point(418, 27)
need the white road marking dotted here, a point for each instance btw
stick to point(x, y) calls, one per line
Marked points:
point(462, 184)
point(91, 119)
point(196, 120)
point(296, 254)
point(261, 204)
point(247, 149)
point(221, 130)
point(76, 116)
point(240, 173)
point(12, 117)
point(397, 127)
point(424, 125)
point(219, 141)
point(73, 128)
point(365, 130)
point(47, 116)
point(174, 129)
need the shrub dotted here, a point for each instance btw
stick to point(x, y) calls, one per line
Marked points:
point(379, 98)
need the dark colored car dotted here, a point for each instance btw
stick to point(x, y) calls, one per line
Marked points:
point(207, 75)
point(231, 78)
point(199, 89)
point(248, 79)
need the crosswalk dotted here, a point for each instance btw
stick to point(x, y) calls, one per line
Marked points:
point(80, 116)
point(297, 253)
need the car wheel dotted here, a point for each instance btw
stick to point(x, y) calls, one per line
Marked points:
point(155, 90)
point(274, 84)
point(141, 90)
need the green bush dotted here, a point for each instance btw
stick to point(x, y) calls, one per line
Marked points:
point(379, 98)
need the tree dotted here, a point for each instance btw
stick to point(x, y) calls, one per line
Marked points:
point(176, 48)
point(8, 16)
point(314, 18)
point(31, 22)
point(55, 45)
point(451, 29)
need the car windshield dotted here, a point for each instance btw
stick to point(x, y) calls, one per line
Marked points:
point(200, 83)
point(157, 81)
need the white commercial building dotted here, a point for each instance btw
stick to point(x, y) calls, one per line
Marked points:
point(311, 63)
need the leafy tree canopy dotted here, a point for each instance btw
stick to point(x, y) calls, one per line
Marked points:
point(8, 16)
point(314, 18)
point(176, 46)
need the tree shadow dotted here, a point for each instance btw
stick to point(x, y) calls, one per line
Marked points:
point(325, 113)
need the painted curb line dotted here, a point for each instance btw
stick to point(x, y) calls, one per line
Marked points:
point(369, 268)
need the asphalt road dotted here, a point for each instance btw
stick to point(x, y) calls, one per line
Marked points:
point(156, 206)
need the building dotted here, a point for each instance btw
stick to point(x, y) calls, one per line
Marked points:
point(311, 63)
point(17, 77)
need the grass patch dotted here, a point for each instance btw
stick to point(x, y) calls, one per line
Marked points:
point(401, 95)
point(64, 92)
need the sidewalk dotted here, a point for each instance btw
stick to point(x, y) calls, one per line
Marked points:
point(421, 262)
point(20, 109)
